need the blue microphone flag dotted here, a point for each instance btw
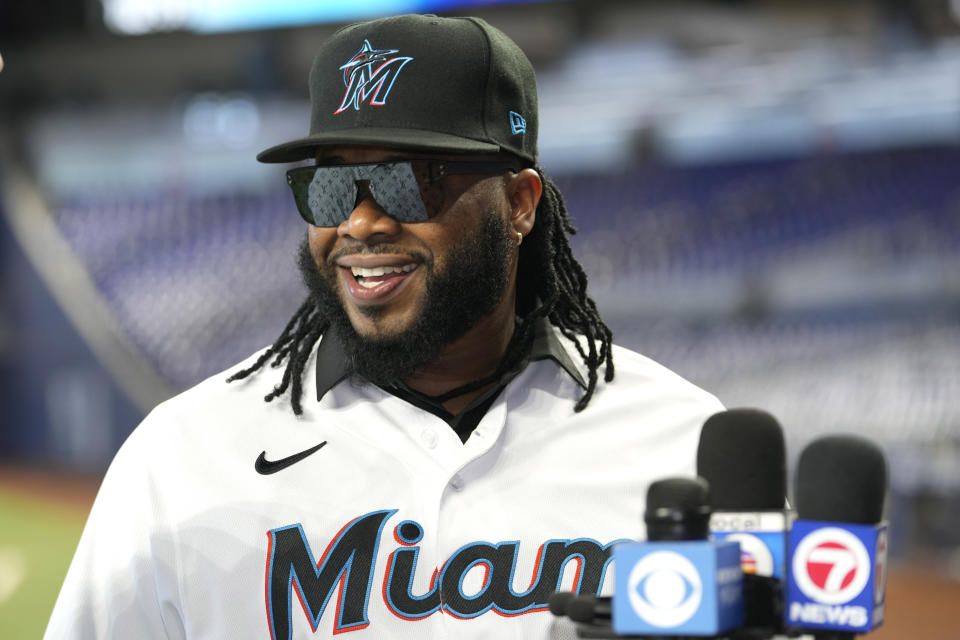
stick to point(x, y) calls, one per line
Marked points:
point(677, 588)
point(837, 576)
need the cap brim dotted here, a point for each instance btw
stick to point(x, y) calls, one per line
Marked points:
point(410, 139)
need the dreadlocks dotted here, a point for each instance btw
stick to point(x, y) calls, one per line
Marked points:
point(549, 273)
point(550, 283)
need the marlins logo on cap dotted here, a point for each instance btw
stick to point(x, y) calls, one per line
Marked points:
point(370, 73)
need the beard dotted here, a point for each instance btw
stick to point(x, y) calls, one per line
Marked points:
point(469, 287)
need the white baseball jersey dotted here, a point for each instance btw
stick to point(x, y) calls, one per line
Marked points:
point(393, 528)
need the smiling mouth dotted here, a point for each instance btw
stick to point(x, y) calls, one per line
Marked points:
point(372, 277)
point(375, 285)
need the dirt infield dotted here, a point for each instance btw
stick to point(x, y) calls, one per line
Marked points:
point(70, 490)
point(921, 604)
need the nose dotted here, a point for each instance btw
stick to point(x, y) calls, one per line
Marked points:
point(368, 222)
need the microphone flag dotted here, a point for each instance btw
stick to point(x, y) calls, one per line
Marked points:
point(686, 588)
point(837, 578)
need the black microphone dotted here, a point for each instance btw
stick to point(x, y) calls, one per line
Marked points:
point(838, 545)
point(743, 456)
point(592, 614)
point(678, 582)
point(678, 509)
point(594, 610)
point(558, 602)
point(841, 478)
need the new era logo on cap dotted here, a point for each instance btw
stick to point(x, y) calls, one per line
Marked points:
point(517, 124)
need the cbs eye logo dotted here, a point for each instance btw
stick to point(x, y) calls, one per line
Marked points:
point(664, 589)
point(831, 566)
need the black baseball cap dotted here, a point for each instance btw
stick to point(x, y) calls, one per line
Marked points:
point(422, 83)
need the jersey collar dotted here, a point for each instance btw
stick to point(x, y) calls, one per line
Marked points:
point(331, 356)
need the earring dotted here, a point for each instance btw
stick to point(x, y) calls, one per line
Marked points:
point(519, 238)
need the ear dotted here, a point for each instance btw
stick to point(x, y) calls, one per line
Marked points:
point(523, 193)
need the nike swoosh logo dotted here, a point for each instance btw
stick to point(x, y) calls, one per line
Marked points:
point(265, 467)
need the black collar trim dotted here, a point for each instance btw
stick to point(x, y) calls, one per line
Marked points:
point(332, 358)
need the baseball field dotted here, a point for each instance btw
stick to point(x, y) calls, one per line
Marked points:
point(41, 517)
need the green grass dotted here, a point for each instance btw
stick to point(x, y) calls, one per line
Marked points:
point(37, 541)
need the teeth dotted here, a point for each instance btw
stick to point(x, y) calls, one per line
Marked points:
point(363, 272)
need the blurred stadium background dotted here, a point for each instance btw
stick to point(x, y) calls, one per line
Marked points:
point(767, 196)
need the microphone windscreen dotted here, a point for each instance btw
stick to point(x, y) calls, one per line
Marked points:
point(581, 609)
point(681, 494)
point(743, 457)
point(841, 478)
point(678, 509)
point(558, 602)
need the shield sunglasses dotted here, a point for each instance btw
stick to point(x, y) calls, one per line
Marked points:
point(409, 190)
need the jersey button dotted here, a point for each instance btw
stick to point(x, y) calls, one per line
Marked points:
point(429, 438)
point(456, 482)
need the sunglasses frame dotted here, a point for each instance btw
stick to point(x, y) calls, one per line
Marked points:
point(301, 177)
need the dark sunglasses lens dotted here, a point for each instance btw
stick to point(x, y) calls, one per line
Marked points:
point(396, 189)
point(431, 191)
point(326, 196)
point(331, 195)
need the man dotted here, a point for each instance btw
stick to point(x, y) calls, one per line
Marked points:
point(439, 454)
